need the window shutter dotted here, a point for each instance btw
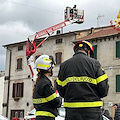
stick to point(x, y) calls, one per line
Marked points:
point(18, 89)
point(58, 57)
point(14, 87)
point(95, 51)
point(21, 89)
point(19, 63)
point(117, 83)
point(117, 49)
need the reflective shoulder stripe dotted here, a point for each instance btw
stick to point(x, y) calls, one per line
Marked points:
point(101, 78)
point(44, 100)
point(51, 97)
point(82, 104)
point(59, 82)
point(44, 113)
point(76, 79)
point(39, 101)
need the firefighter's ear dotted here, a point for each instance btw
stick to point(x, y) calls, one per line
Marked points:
point(89, 53)
point(38, 70)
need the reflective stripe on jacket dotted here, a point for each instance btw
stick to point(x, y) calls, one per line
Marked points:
point(82, 82)
point(44, 113)
point(44, 100)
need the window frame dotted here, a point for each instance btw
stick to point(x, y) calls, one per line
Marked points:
point(20, 47)
point(59, 41)
point(13, 112)
point(18, 90)
point(19, 66)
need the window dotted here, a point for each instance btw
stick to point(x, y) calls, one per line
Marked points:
point(58, 41)
point(19, 63)
point(117, 49)
point(95, 51)
point(58, 57)
point(17, 114)
point(20, 48)
point(18, 90)
point(117, 83)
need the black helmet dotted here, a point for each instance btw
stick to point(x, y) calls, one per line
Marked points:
point(84, 45)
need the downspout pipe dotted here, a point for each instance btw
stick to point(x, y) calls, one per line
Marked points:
point(7, 107)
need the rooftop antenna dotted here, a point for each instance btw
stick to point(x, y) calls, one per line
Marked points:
point(98, 17)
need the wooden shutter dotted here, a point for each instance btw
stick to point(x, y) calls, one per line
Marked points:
point(58, 57)
point(117, 83)
point(95, 51)
point(19, 63)
point(14, 90)
point(19, 89)
point(117, 49)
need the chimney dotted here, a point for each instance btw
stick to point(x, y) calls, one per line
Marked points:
point(58, 32)
point(91, 30)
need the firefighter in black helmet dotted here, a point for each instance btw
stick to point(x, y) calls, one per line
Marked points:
point(82, 83)
point(45, 99)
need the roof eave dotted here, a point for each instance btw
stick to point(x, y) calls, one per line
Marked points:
point(94, 38)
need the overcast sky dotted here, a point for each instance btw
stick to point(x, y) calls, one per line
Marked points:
point(21, 18)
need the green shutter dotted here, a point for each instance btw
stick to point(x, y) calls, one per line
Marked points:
point(117, 83)
point(118, 49)
point(95, 51)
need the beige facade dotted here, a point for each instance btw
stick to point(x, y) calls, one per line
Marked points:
point(106, 48)
point(106, 54)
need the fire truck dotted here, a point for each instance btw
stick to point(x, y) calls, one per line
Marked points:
point(71, 15)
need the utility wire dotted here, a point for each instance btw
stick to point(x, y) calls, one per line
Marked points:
point(33, 7)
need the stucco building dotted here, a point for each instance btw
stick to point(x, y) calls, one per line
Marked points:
point(2, 74)
point(18, 96)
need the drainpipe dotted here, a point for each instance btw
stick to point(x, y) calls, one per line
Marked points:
point(8, 82)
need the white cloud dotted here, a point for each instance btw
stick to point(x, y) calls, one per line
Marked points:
point(12, 32)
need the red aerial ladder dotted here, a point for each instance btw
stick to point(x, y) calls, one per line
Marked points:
point(72, 15)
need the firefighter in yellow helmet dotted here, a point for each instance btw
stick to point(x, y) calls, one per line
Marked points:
point(82, 83)
point(45, 100)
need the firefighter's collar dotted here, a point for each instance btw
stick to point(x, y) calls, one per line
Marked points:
point(78, 52)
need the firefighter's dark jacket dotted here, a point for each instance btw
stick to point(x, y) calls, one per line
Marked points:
point(45, 99)
point(82, 82)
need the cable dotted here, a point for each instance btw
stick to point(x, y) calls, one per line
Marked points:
point(33, 7)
